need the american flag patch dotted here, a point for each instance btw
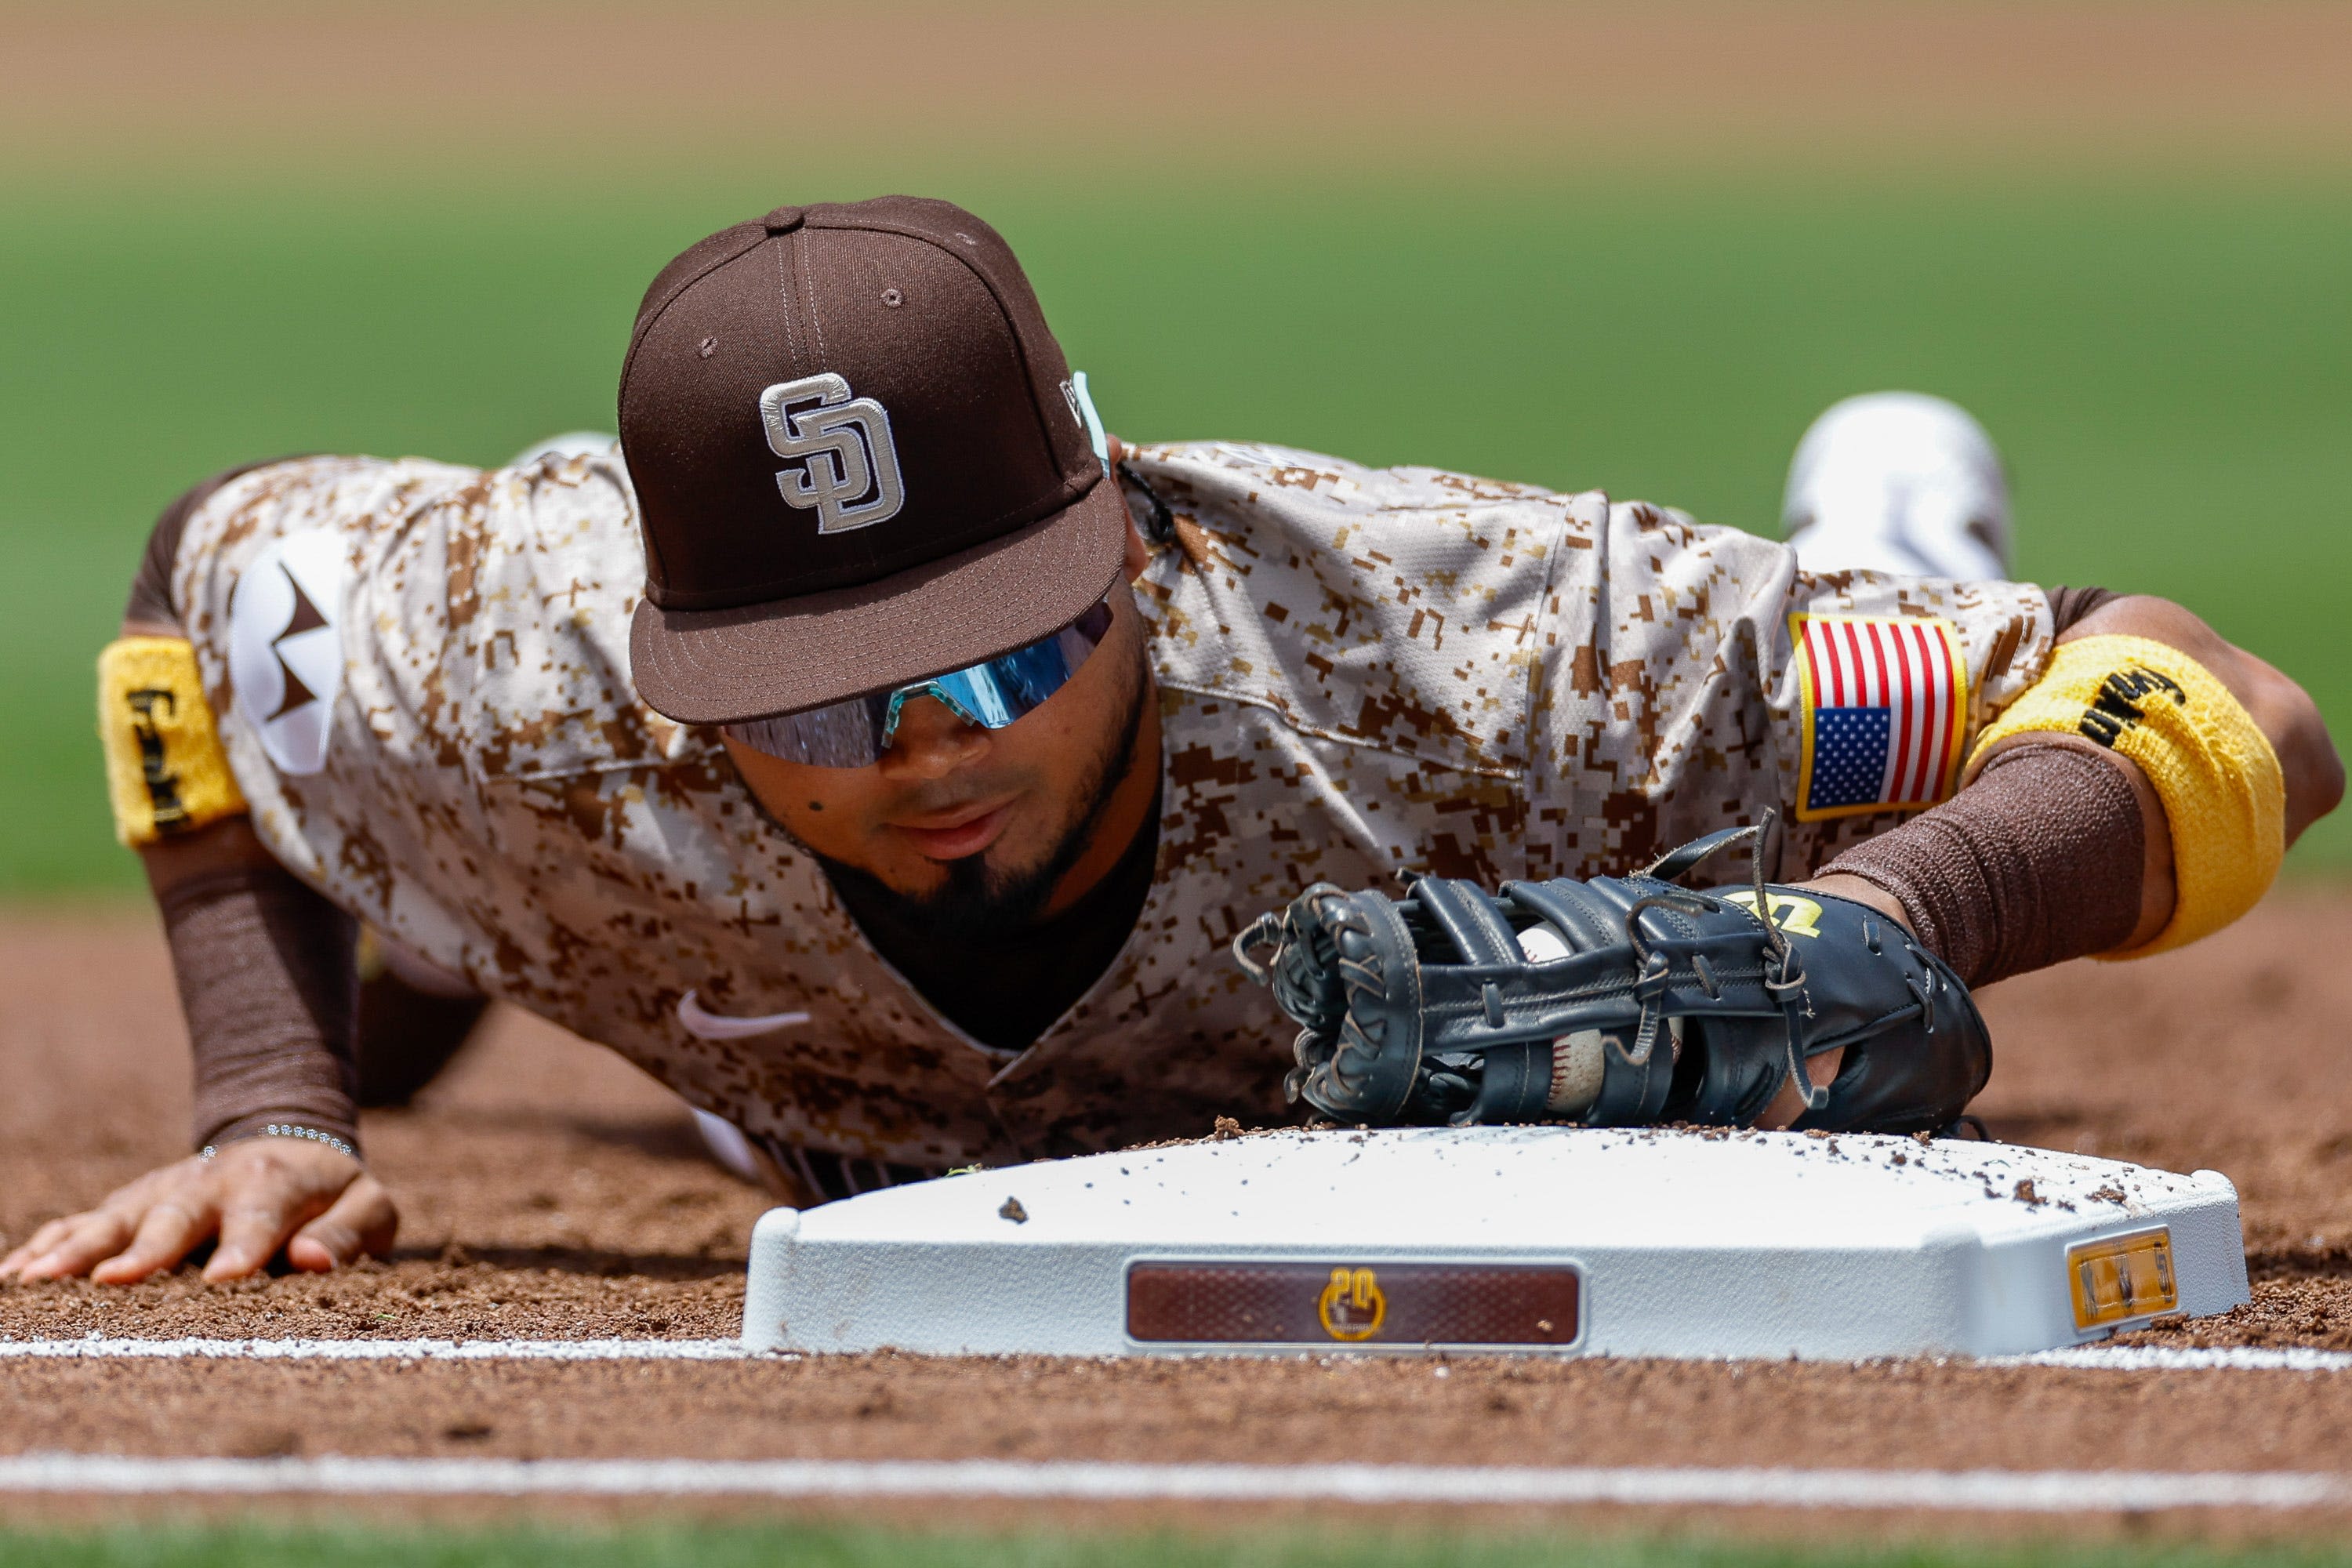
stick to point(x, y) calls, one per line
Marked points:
point(1885, 699)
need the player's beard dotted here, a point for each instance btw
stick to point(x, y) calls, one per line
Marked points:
point(982, 898)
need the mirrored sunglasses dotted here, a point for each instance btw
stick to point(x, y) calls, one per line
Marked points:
point(992, 694)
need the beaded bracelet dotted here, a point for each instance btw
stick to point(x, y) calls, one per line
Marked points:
point(287, 1130)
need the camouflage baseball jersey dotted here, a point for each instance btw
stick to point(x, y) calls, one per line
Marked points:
point(421, 674)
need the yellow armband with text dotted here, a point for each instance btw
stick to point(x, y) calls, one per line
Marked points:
point(165, 771)
point(2224, 797)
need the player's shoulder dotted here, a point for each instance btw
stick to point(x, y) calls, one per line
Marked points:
point(551, 545)
point(342, 493)
point(515, 591)
point(542, 576)
point(1265, 474)
point(1664, 550)
point(471, 612)
point(451, 544)
point(555, 503)
point(1255, 509)
point(1382, 607)
point(324, 513)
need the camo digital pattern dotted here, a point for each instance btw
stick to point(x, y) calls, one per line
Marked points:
point(1362, 672)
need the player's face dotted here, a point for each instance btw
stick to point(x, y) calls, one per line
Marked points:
point(995, 822)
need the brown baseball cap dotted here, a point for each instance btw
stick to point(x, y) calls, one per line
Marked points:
point(859, 461)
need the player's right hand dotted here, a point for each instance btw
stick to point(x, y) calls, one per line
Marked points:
point(259, 1196)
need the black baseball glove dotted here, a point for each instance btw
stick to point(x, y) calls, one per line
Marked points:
point(1616, 1002)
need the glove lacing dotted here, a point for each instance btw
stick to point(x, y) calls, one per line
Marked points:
point(1784, 974)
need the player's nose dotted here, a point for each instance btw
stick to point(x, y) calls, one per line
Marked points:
point(931, 742)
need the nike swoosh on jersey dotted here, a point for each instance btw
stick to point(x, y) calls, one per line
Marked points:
point(705, 1025)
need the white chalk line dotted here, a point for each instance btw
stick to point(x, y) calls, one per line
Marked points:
point(2031, 1491)
point(2159, 1358)
point(2102, 1357)
point(94, 1348)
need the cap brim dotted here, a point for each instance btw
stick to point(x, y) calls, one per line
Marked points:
point(727, 667)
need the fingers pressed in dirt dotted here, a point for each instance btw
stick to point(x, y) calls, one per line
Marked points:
point(362, 1221)
point(68, 1246)
point(170, 1229)
point(256, 1196)
point(252, 1230)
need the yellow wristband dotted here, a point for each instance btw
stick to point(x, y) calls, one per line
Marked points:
point(2224, 797)
point(165, 771)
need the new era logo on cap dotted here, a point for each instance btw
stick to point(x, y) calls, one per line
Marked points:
point(844, 464)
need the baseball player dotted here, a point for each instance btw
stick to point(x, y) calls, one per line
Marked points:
point(889, 762)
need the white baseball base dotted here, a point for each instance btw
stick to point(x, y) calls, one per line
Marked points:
point(1515, 1239)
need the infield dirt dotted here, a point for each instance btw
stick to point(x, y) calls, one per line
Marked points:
point(1283, 82)
point(549, 1190)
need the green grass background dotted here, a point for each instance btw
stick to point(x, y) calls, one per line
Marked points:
point(2167, 363)
point(820, 1547)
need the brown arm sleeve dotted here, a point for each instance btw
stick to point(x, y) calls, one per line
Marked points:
point(267, 968)
point(270, 987)
point(2039, 860)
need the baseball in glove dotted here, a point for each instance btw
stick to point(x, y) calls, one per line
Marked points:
point(1616, 1002)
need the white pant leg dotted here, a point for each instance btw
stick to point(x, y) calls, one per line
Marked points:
point(1901, 482)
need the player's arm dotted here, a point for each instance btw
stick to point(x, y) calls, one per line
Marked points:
point(266, 977)
point(2310, 771)
point(2061, 844)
